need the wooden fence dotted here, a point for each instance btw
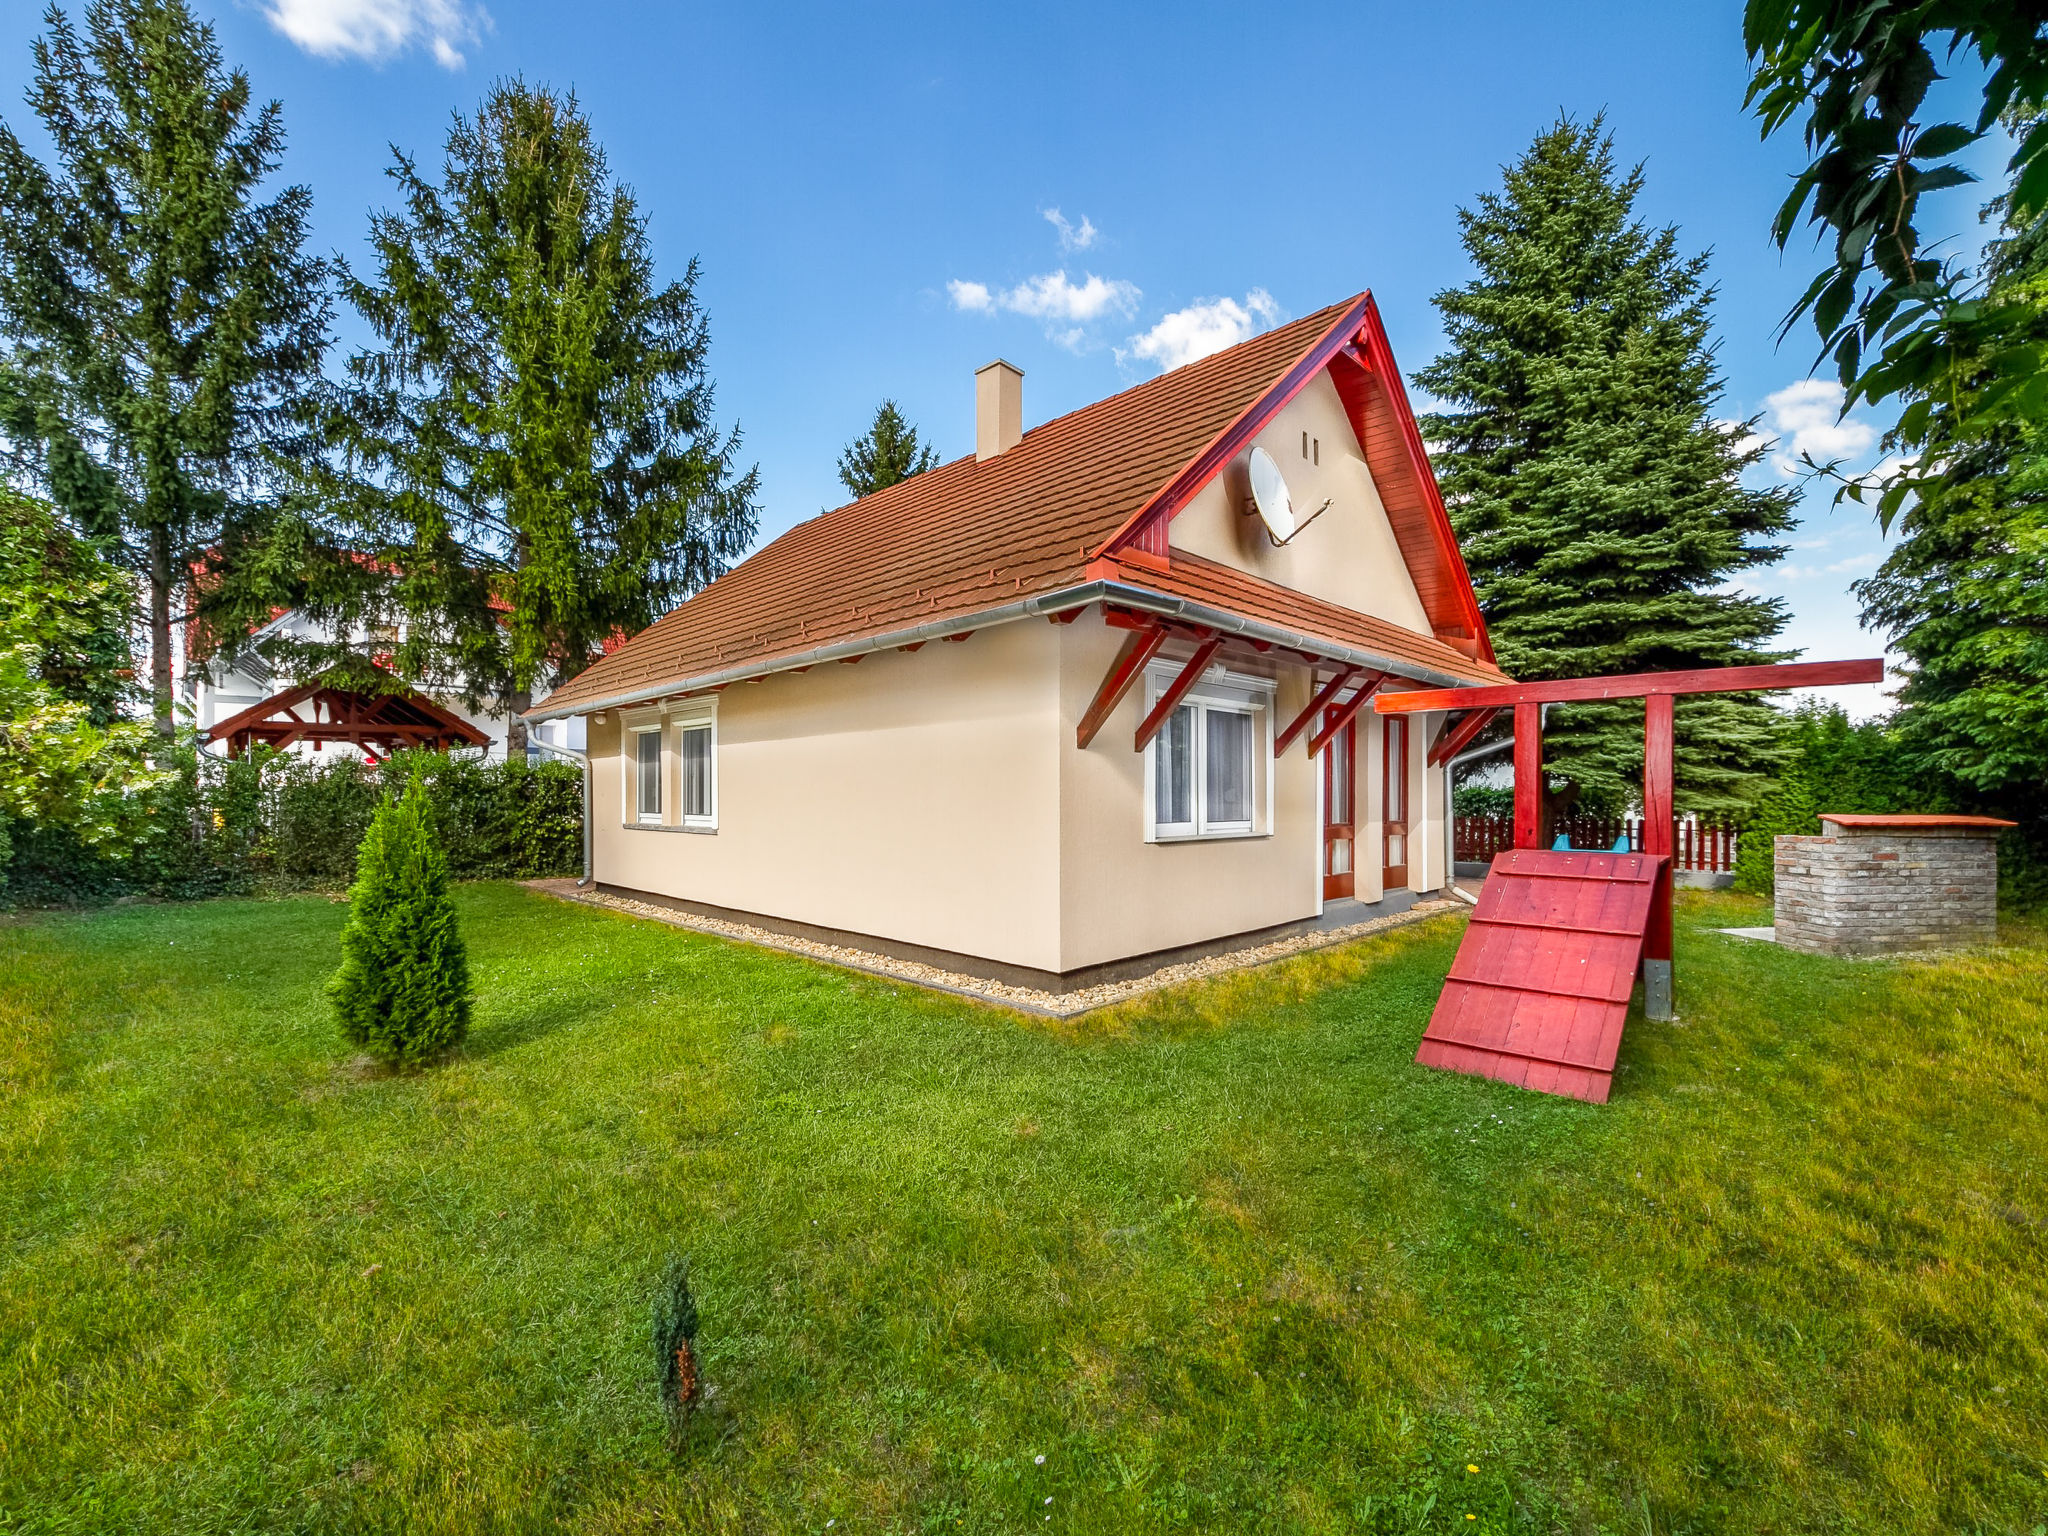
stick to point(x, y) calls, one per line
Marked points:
point(1701, 845)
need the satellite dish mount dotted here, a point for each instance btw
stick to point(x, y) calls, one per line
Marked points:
point(1272, 505)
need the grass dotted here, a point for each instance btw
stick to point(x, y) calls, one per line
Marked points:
point(1225, 1259)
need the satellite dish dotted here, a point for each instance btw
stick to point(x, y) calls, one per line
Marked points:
point(1272, 503)
point(1269, 495)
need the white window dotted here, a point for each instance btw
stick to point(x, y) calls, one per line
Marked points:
point(644, 767)
point(1203, 779)
point(669, 768)
point(696, 750)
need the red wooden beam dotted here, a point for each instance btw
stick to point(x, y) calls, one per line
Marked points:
point(1658, 785)
point(1123, 674)
point(1528, 775)
point(1316, 705)
point(1459, 736)
point(1345, 714)
point(1636, 685)
point(1177, 689)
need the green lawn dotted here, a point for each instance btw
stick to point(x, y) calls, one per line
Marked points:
point(1225, 1260)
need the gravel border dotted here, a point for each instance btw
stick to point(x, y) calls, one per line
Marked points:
point(1053, 1005)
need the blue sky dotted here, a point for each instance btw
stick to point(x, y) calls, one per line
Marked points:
point(884, 197)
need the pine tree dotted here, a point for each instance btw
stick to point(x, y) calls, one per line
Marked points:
point(528, 461)
point(161, 325)
point(885, 455)
point(402, 992)
point(1597, 498)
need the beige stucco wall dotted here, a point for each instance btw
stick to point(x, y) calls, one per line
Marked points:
point(938, 798)
point(1122, 896)
point(913, 797)
point(1348, 555)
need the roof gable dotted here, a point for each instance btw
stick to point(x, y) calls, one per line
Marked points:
point(971, 536)
point(1354, 351)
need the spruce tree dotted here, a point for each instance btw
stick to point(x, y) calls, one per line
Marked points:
point(885, 455)
point(1598, 500)
point(402, 992)
point(160, 327)
point(525, 461)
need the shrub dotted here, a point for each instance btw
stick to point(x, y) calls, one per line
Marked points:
point(1483, 800)
point(272, 821)
point(402, 992)
point(675, 1343)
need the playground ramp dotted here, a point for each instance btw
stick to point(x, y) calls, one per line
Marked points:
point(1539, 991)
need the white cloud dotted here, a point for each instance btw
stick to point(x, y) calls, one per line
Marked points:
point(1054, 297)
point(1072, 239)
point(381, 29)
point(1066, 308)
point(1808, 417)
point(973, 297)
point(1863, 562)
point(1206, 326)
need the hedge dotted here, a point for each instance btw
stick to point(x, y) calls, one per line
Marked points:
point(271, 822)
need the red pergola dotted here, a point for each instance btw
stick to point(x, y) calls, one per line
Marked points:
point(379, 722)
point(1540, 997)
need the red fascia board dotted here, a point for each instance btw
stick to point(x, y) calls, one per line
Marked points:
point(1232, 440)
point(1379, 362)
point(1636, 685)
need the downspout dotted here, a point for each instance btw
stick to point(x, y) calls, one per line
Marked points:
point(582, 759)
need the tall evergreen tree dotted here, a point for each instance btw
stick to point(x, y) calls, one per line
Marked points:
point(160, 322)
point(1597, 498)
point(884, 455)
point(526, 463)
point(1964, 594)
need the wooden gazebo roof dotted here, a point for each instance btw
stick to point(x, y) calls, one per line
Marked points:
point(315, 712)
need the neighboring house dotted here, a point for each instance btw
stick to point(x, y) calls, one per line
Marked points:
point(1063, 710)
point(234, 703)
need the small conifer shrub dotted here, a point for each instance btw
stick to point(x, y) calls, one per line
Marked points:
point(402, 992)
point(675, 1351)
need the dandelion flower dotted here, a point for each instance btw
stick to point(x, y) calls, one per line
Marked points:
point(1469, 1467)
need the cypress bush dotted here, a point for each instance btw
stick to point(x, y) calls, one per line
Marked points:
point(402, 992)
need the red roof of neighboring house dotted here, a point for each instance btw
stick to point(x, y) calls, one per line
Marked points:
point(1083, 498)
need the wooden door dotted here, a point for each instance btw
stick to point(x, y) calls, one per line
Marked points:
point(1394, 779)
point(1340, 803)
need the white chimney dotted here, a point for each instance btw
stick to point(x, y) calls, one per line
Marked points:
point(998, 408)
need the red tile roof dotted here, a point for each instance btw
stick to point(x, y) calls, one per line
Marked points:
point(971, 536)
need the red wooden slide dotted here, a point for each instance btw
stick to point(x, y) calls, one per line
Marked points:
point(1540, 988)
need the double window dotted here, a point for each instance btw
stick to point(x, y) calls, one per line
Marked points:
point(1203, 778)
point(671, 772)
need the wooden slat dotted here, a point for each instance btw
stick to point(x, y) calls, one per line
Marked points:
point(1123, 674)
point(1177, 689)
point(1316, 705)
point(1636, 685)
point(1539, 990)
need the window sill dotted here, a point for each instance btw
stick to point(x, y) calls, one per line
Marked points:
point(648, 826)
point(1164, 838)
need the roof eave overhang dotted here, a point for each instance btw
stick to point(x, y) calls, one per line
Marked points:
point(1123, 594)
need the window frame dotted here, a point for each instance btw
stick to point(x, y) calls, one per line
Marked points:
point(668, 725)
point(1219, 691)
point(634, 814)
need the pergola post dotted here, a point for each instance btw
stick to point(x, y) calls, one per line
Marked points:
point(1658, 778)
point(1528, 775)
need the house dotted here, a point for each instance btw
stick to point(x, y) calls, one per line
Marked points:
point(1064, 710)
point(244, 699)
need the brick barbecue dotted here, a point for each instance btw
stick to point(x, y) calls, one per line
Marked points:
point(1876, 885)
